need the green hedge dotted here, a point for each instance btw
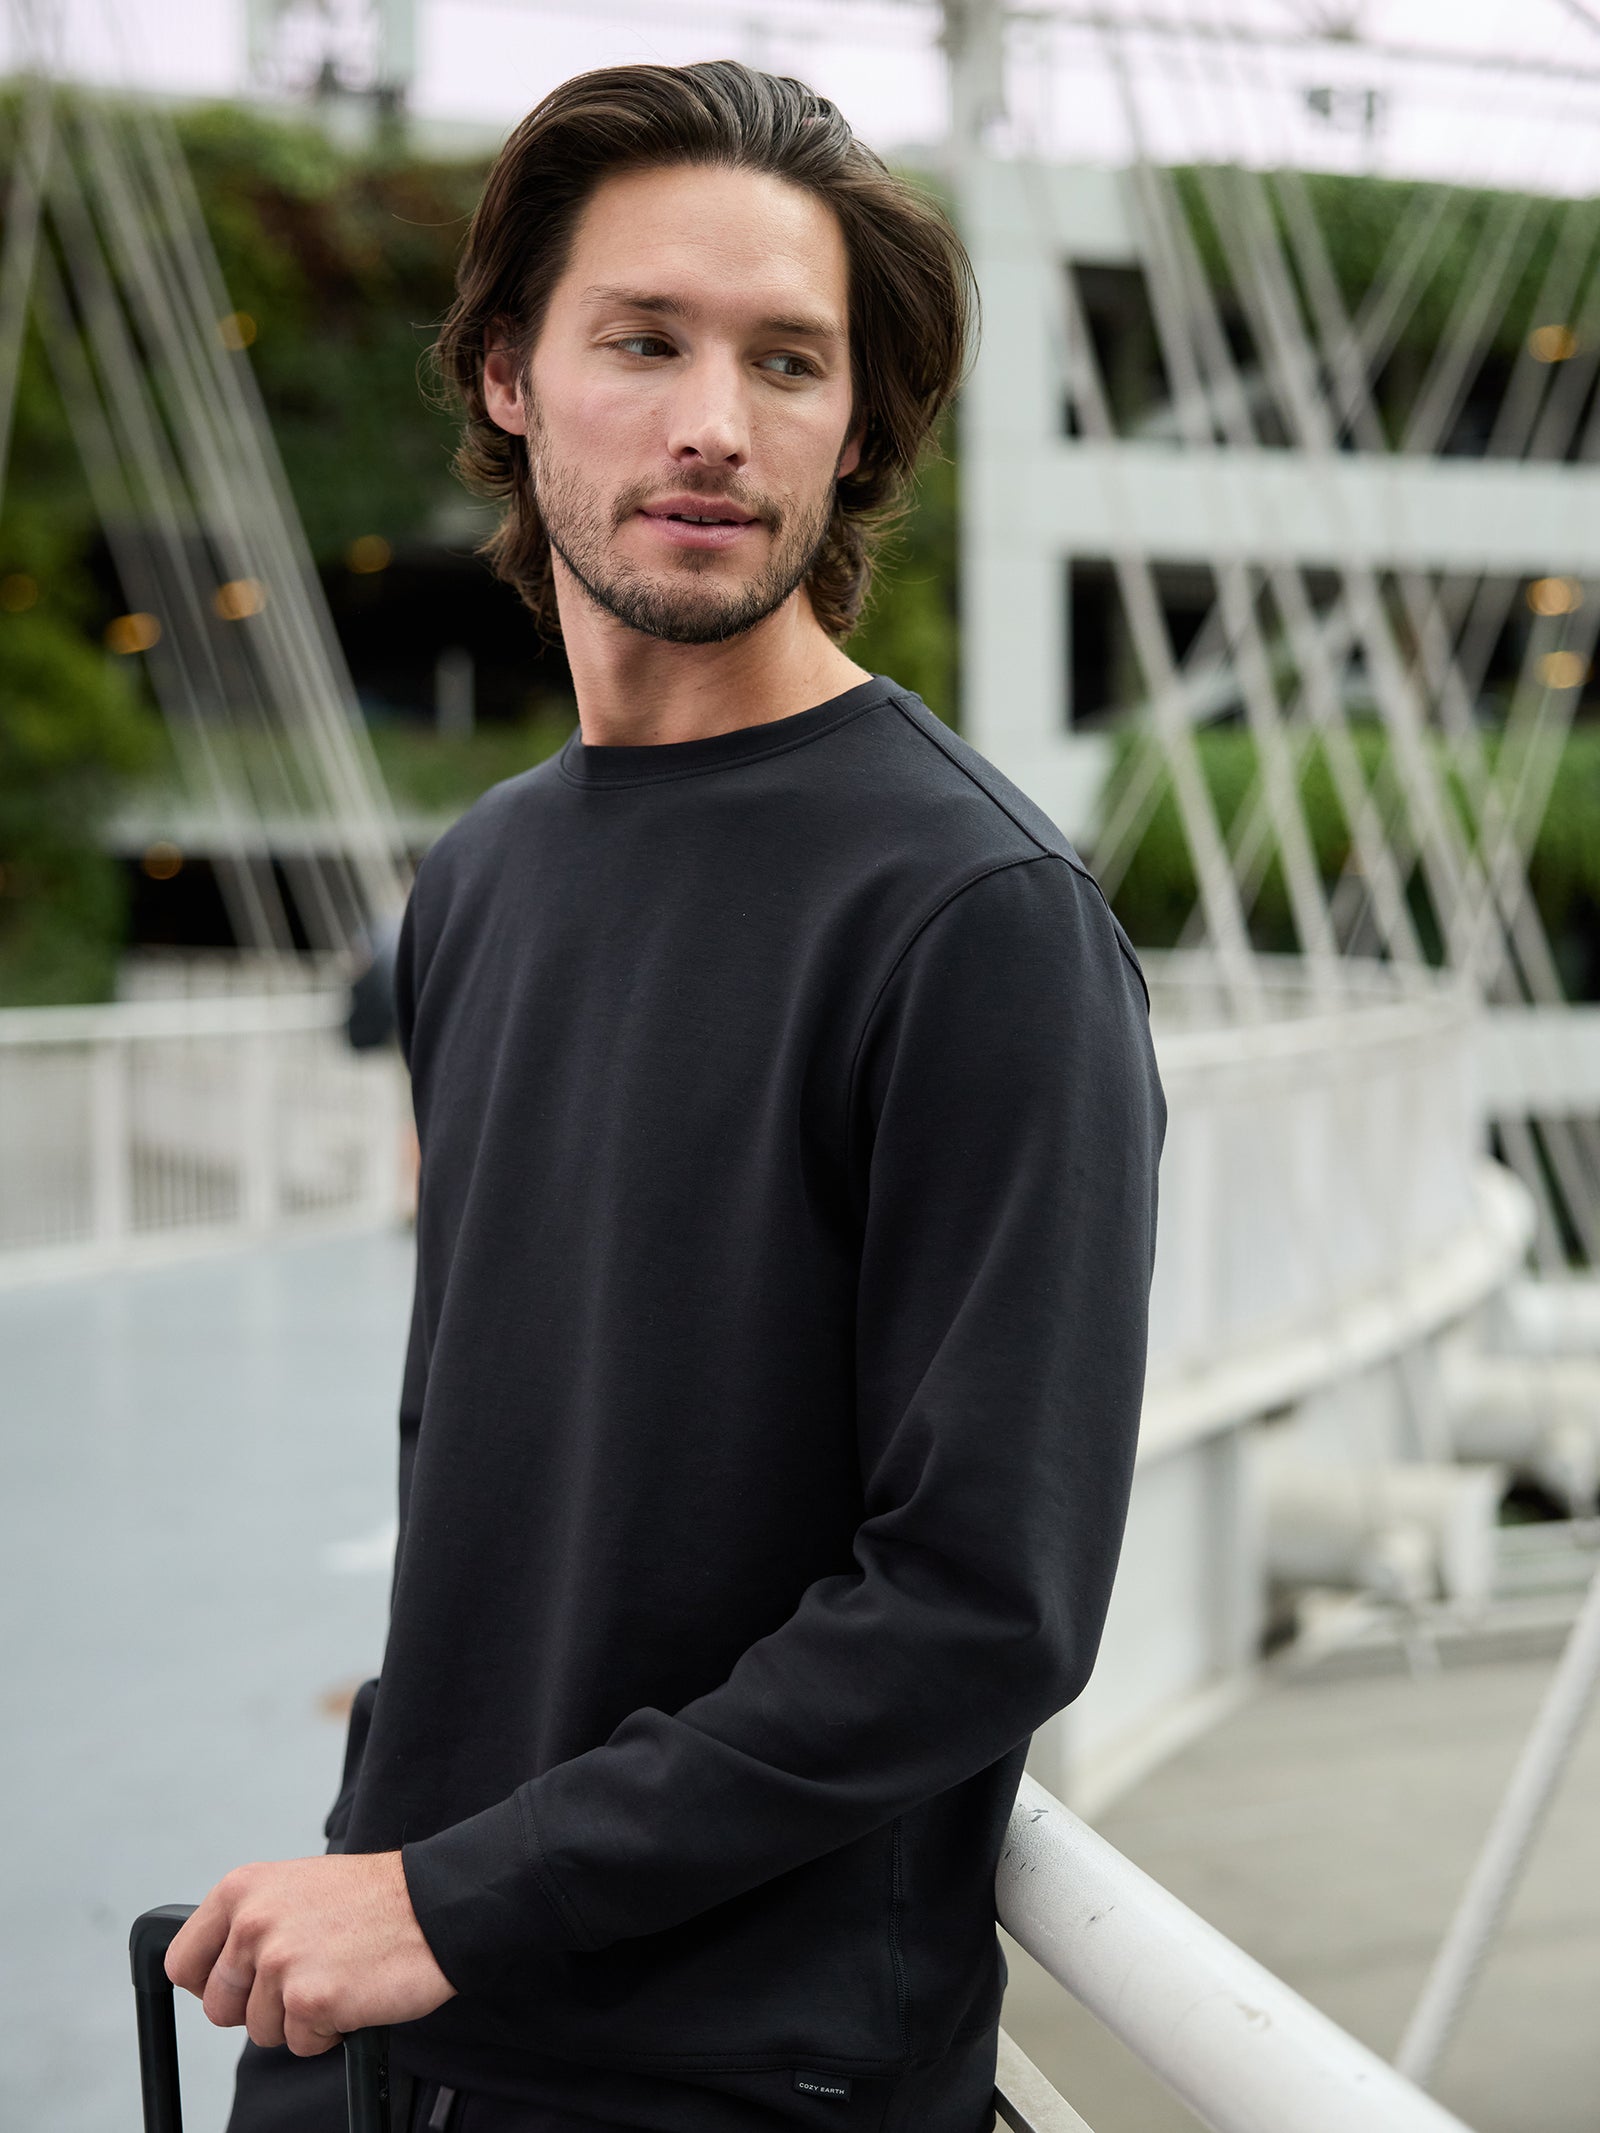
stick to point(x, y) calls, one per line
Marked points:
point(1158, 890)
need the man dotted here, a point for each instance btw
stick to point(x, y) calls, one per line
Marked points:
point(789, 1132)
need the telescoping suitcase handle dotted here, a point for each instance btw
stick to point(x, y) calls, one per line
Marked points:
point(366, 2051)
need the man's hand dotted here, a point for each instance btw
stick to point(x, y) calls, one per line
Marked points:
point(305, 1949)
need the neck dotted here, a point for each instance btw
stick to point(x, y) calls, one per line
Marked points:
point(635, 691)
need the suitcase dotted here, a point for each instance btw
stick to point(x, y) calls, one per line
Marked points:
point(366, 2053)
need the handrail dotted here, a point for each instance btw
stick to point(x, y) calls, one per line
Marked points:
point(1243, 2051)
point(193, 1015)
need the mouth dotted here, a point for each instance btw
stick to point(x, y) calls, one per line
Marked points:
point(698, 522)
point(703, 518)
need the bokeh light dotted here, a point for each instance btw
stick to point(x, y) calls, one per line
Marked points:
point(367, 553)
point(238, 598)
point(133, 633)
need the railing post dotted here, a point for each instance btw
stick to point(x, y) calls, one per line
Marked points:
point(384, 1185)
point(258, 1150)
point(110, 1155)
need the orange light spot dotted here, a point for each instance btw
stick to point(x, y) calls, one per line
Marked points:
point(1552, 344)
point(238, 598)
point(133, 633)
point(367, 553)
point(162, 861)
point(1563, 670)
point(1555, 596)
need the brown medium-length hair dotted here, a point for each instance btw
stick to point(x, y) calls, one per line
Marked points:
point(913, 303)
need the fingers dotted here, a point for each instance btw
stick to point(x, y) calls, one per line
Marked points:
point(197, 1943)
point(212, 1955)
point(308, 2024)
point(226, 1998)
point(294, 2010)
point(263, 2014)
point(300, 2015)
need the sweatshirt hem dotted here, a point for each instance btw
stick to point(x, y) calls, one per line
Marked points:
point(458, 2067)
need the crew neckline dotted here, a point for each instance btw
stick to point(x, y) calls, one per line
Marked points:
point(648, 763)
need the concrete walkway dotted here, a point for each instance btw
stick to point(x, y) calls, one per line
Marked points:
point(196, 1484)
point(196, 1474)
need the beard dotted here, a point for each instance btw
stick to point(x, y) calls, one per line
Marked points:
point(684, 602)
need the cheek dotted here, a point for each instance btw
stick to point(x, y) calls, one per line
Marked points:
point(597, 424)
point(799, 450)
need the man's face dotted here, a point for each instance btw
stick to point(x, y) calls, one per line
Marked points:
point(689, 398)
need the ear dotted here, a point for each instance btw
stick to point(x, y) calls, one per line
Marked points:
point(502, 389)
point(850, 457)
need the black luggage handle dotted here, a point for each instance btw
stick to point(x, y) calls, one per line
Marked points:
point(366, 2051)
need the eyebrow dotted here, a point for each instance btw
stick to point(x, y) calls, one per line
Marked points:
point(814, 329)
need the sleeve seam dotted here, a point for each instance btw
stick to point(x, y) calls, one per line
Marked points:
point(1069, 859)
point(969, 881)
point(549, 1887)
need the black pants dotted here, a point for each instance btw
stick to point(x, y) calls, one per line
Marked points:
point(277, 2093)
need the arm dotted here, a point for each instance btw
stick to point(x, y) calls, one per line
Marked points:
point(1009, 1124)
point(299, 1951)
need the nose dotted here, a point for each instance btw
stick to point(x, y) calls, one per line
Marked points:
point(708, 420)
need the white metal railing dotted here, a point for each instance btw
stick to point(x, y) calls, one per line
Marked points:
point(1339, 1142)
point(125, 1125)
point(1324, 1198)
point(1243, 2051)
point(1025, 2100)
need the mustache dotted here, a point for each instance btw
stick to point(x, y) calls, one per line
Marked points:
point(696, 482)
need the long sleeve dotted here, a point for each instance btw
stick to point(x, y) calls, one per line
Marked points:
point(1007, 1121)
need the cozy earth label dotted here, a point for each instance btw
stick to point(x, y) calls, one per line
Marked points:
point(834, 2086)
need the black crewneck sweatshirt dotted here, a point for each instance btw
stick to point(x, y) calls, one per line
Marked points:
point(789, 1132)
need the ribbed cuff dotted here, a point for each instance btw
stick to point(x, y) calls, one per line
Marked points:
point(478, 1900)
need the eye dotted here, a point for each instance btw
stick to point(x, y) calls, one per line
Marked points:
point(796, 366)
point(644, 344)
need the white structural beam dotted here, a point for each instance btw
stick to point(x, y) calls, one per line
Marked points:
point(1541, 1062)
point(1396, 511)
point(1243, 2051)
point(1024, 2099)
point(1033, 498)
point(1541, 1766)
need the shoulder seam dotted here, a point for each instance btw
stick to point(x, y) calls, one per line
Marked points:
point(937, 740)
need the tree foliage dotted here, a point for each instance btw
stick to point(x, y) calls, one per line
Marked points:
point(72, 729)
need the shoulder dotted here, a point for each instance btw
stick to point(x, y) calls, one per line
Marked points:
point(471, 850)
point(997, 865)
point(942, 768)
